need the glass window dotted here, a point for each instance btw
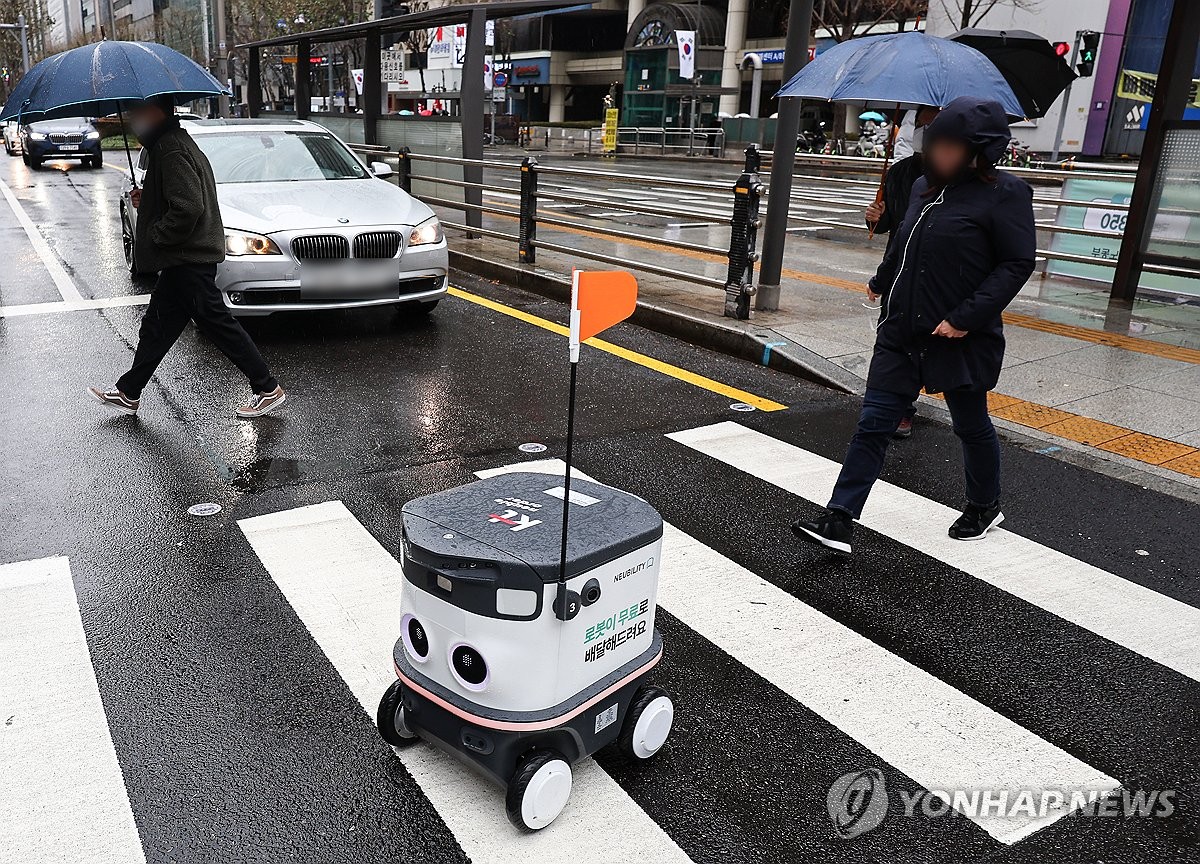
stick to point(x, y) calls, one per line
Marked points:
point(273, 157)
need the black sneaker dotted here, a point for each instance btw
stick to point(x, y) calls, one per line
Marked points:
point(976, 521)
point(833, 529)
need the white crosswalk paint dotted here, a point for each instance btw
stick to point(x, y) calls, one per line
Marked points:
point(62, 797)
point(939, 737)
point(346, 587)
point(18, 310)
point(1152, 624)
point(64, 284)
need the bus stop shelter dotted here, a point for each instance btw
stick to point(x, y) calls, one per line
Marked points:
point(472, 90)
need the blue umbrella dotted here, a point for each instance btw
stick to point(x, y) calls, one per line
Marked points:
point(102, 78)
point(902, 70)
point(99, 78)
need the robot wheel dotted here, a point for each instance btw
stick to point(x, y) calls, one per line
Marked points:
point(390, 718)
point(539, 789)
point(647, 723)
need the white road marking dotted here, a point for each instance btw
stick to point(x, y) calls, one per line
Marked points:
point(73, 305)
point(938, 736)
point(1151, 624)
point(61, 787)
point(62, 281)
point(346, 588)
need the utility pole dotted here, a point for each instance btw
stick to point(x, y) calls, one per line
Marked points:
point(24, 32)
point(222, 56)
point(1066, 97)
point(783, 160)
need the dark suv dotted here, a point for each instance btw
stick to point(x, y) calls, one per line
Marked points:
point(70, 138)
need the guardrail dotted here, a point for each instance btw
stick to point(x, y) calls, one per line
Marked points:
point(633, 140)
point(743, 218)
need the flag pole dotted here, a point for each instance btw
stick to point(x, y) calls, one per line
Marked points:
point(574, 342)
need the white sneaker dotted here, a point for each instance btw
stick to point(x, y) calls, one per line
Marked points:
point(262, 403)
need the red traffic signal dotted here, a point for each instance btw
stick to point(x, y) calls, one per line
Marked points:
point(1062, 49)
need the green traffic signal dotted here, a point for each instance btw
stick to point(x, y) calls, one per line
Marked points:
point(1089, 45)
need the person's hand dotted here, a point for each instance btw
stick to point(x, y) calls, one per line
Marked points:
point(135, 197)
point(949, 331)
point(872, 296)
point(875, 211)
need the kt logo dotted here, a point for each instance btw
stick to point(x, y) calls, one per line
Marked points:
point(516, 521)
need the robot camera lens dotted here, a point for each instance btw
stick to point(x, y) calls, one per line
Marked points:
point(469, 666)
point(591, 592)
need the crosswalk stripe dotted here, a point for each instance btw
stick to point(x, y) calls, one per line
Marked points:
point(346, 589)
point(1145, 621)
point(61, 787)
point(938, 736)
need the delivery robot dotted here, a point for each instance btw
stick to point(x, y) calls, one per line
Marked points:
point(504, 667)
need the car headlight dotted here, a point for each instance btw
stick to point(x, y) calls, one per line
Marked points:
point(429, 231)
point(245, 243)
point(37, 136)
point(92, 136)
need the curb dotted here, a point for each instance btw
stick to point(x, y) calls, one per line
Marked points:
point(766, 349)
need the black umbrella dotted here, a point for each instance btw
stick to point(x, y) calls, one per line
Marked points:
point(1028, 63)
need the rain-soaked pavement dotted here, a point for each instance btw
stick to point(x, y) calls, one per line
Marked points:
point(1061, 655)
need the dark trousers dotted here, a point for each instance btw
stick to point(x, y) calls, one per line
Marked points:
point(183, 293)
point(881, 413)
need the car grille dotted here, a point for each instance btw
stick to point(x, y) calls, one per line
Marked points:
point(320, 246)
point(66, 137)
point(377, 244)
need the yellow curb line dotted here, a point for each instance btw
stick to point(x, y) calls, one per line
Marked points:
point(696, 380)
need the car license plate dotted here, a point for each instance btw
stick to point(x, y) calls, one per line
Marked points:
point(350, 279)
point(66, 147)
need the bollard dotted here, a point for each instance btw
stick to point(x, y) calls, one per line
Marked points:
point(753, 160)
point(528, 229)
point(404, 169)
point(743, 236)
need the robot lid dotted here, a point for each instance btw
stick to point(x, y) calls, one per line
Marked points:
point(519, 516)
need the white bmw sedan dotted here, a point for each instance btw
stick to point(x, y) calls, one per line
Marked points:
point(308, 225)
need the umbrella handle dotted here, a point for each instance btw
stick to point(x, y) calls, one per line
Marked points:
point(887, 159)
point(125, 140)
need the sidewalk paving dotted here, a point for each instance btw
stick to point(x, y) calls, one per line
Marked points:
point(1125, 382)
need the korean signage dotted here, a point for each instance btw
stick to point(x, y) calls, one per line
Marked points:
point(391, 65)
point(447, 47)
point(610, 130)
point(1103, 216)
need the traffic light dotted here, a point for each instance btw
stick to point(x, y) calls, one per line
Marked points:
point(1062, 49)
point(1089, 43)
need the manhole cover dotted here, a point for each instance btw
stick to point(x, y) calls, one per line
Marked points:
point(208, 509)
point(741, 406)
point(532, 447)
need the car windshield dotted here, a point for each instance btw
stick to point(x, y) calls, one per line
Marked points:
point(271, 157)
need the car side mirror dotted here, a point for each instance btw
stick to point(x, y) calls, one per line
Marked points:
point(381, 169)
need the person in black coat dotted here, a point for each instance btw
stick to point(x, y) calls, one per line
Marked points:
point(885, 215)
point(963, 250)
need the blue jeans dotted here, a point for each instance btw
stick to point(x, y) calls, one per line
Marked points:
point(881, 413)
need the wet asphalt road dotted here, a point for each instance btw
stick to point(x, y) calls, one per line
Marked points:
point(237, 739)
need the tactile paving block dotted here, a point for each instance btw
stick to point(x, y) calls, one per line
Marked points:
point(1085, 430)
point(1147, 448)
point(1032, 414)
point(1188, 464)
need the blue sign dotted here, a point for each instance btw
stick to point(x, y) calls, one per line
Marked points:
point(500, 79)
point(775, 55)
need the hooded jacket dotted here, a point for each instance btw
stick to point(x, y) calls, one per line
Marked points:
point(178, 220)
point(961, 254)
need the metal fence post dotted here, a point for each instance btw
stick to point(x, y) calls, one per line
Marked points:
point(404, 169)
point(527, 248)
point(743, 237)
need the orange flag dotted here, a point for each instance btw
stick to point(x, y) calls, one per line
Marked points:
point(599, 299)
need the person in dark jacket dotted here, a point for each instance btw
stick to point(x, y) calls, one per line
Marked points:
point(885, 215)
point(180, 235)
point(963, 250)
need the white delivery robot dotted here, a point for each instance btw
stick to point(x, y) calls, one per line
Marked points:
point(490, 669)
